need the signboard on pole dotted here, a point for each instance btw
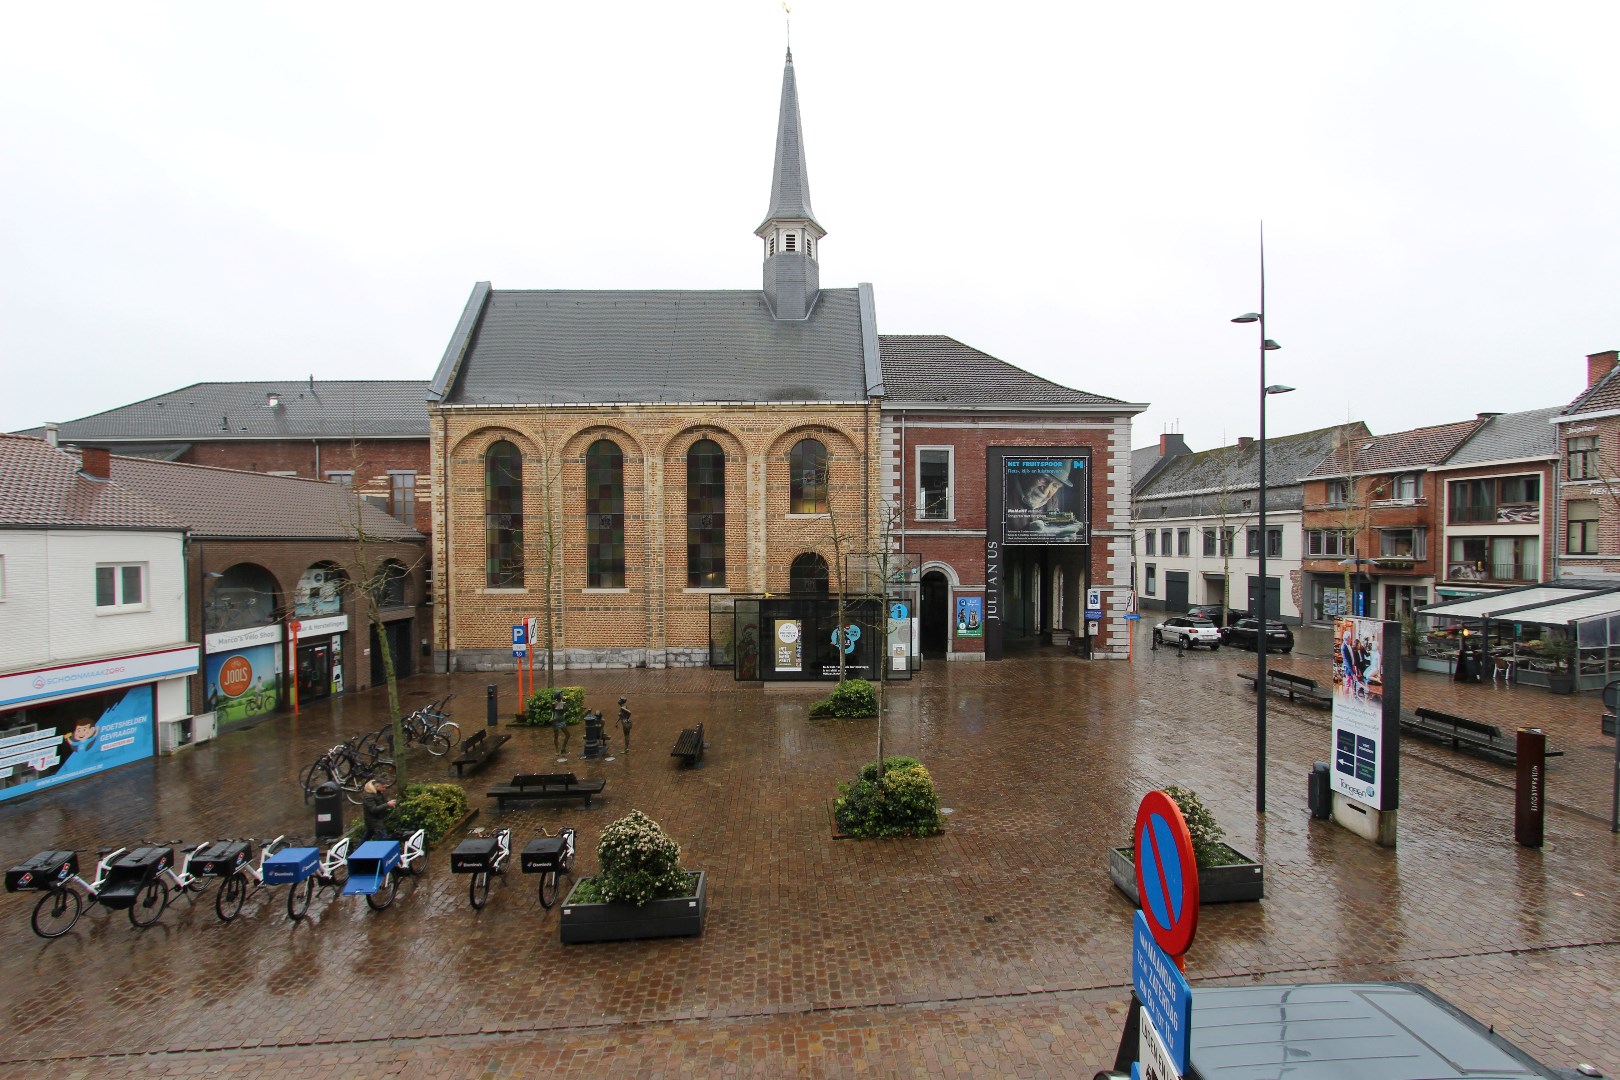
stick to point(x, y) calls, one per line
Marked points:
point(1093, 604)
point(1166, 873)
point(1366, 712)
point(520, 639)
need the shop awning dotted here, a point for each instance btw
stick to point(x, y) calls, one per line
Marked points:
point(1596, 606)
point(1515, 600)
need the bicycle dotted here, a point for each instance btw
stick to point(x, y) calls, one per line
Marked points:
point(242, 879)
point(133, 879)
point(377, 865)
point(343, 766)
point(432, 728)
point(306, 869)
point(552, 857)
point(483, 856)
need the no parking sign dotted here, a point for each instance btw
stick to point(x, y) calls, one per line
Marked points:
point(1167, 886)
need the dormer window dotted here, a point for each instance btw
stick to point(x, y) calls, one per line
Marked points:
point(788, 242)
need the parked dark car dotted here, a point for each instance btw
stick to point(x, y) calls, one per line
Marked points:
point(1219, 614)
point(1242, 635)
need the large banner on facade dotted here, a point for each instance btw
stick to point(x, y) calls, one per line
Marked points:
point(1366, 711)
point(65, 740)
point(243, 684)
point(1044, 500)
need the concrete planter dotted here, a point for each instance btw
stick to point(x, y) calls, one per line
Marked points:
point(677, 916)
point(1216, 884)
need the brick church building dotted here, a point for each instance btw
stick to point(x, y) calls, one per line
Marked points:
point(675, 468)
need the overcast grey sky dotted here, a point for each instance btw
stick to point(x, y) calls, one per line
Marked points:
point(238, 191)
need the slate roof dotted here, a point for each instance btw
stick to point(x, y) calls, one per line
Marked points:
point(539, 347)
point(1145, 459)
point(1414, 449)
point(210, 411)
point(1600, 396)
point(226, 503)
point(1510, 437)
point(41, 487)
point(932, 369)
point(790, 178)
point(1289, 459)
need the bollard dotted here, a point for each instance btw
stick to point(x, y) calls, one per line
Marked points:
point(1530, 788)
point(491, 715)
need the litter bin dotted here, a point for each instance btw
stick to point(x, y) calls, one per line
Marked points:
point(1319, 792)
point(328, 812)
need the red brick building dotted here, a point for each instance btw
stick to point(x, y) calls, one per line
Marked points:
point(1588, 498)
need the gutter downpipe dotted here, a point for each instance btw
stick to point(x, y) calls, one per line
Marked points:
point(440, 578)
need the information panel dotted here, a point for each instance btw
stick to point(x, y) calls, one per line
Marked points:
point(1366, 709)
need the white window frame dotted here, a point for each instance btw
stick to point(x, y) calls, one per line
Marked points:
point(950, 482)
point(341, 477)
point(119, 605)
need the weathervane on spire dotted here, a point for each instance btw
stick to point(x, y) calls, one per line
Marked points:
point(787, 19)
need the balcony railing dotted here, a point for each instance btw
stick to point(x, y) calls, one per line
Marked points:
point(1504, 514)
point(1502, 573)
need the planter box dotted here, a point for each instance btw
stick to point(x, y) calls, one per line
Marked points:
point(678, 916)
point(1216, 884)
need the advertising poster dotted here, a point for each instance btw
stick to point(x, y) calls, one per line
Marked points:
point(69, 739)
point(1044, 500)
point(243, 683)
point(970, 616)
point(1358, 709)
point(789, 643)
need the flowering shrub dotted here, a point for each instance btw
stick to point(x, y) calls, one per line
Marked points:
point(638, 862)
point(1209, 847)
point(434, 807)
point(902, 802)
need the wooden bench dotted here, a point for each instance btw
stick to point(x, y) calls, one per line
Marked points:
point(1297, 687)
point(526, 786)
point(1469, 736)
point(688, 745)
point(478, 748)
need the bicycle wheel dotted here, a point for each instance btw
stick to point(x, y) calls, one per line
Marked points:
point(437, 744)
point(228, 904)
point(298, 898)
point(451, 730)
point(548, 888)
point(339, 878)
point(384, 895)
point(385, 772)
point(478, 890)
point(351, 790)
point(56, 913)
point(316, 775)
point(149, 903)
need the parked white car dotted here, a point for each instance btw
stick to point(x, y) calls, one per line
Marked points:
point(1187, 630)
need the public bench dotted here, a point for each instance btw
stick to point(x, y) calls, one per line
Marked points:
point(688, 745)
point(1297, 687)
point(476, 749)
point(1465, 735)
point(550, 786)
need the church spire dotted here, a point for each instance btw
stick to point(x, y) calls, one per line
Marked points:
point(790, 230)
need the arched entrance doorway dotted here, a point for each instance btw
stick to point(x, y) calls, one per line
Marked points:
point(935, 615)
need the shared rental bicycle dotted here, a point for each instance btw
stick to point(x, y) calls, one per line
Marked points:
point(233, 862)
point(135, 880)
point(307, 869)
point(552, 857)
point(376, 866)
point(483, 856)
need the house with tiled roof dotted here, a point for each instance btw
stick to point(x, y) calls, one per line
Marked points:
point(1372, 525)
point(681, 476)
point(1587, 500)
point(94, 652)
point(1196, 520)
point(1495, 510)
point(366, 434)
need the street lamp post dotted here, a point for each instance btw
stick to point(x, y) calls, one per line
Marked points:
point(1266, 345)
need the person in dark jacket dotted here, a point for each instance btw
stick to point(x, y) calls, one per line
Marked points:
point(377, 806)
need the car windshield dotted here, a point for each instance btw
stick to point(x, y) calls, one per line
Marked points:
point(1198, 620)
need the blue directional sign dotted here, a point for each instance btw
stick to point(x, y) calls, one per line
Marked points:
point(520, 639)
point(1163, 991)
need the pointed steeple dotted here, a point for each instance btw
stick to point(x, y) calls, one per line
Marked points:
point(790, 230)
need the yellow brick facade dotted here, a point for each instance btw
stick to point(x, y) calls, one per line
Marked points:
point(655, 620)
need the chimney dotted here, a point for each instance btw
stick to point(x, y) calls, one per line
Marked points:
point(1599, 364)
point(1245, 441)
point(94, 462)
point(53, 434)
point(1171, 442)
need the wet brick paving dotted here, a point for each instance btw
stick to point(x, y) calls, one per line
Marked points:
point(999, 948)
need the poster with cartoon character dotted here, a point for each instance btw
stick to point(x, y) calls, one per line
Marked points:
point(68, 739)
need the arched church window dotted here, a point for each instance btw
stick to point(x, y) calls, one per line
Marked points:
point(808, 574)
point(807, 469)
point(604, 516)
point(503, 516)
point(705, 516)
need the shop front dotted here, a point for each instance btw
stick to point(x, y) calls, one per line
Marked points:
point(243, 674)
point(320, 656)
point(64, 723)
point(1562, 636)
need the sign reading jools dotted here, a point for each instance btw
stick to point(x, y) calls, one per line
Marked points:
point(1167, 885)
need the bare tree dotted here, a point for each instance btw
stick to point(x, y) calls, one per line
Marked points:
point(1351, 504)
point(550, 489)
